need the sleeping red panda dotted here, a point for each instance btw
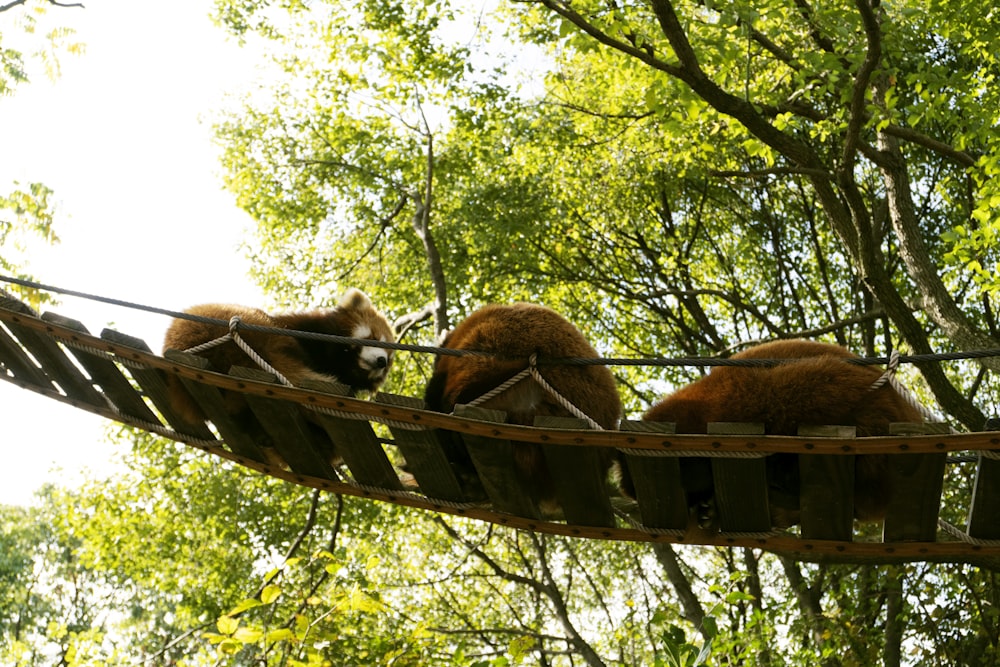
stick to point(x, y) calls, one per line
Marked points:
point(362, 367)
point(510, 334)
point(817, 388)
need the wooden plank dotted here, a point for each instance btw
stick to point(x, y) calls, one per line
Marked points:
point(494, 461)
point(580, 479)
point(740, 485)
point(53, 359)
point(244, 436)
point(915, 481)
point(13, 357)
point(117, 388)
point(303, 446)
point(16, 362)
point(984, 513)
point(153, 383)
point(425, 458)
point(355, 442)
point(827, 488)
point(659, 489)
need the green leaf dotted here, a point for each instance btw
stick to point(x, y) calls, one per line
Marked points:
point(270, 594)
point(227, 624)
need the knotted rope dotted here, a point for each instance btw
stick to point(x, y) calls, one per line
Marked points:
point(234, 336)
point(532, 371)
point(889, 377)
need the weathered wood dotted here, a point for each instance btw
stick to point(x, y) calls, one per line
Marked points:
point(984, 514)
point(105, 373)
point(12, 355)
point(354, 441)
point(659, 489)
point(19, 365)
point(55, 364)
point(580, 479)
point(494, 461)
point(740, 485)
point(153, 383)
point(425, 459)
point(303, 446)
point(827, 488)
point(915, 481)
point(244, 439)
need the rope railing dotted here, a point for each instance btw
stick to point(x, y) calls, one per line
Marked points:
point(357, 476)
point(694, 362)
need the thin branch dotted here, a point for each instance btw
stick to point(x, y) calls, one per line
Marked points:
point(383, 225)
point(856, 115)
point(404, 323)
point(690, 605)
point(15, 3)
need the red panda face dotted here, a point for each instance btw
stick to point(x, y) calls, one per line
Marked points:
point(362, 367)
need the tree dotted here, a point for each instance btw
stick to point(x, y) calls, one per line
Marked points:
point(28, 210)
point(678, 179)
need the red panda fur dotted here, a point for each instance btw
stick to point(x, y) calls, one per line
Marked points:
point(817, 387)
point(509, 335)
point(359, 366)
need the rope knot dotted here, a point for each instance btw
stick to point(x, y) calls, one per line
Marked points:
point(234, 324)
point(889, 376)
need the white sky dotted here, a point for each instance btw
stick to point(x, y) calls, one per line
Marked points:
point(140, 206)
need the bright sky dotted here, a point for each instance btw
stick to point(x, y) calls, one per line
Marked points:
point(140, 207)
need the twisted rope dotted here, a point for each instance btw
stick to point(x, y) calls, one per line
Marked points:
point(889, 377)
point(395, 493)
point(234, 324)
point(960, 534)
point(654, 453)
point(357, 416)
point(638, 525)
point(696, 362)
point(499, 389)
point(532, 371)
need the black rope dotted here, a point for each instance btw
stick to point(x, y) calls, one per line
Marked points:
point(699, 362)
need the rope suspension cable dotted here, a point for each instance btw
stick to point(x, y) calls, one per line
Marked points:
point(696, 362)
point(364, 480)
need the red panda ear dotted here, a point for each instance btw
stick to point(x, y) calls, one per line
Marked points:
point(354, 299)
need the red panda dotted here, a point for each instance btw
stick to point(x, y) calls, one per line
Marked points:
point(362, 367)
point(510, 335)
point(817, 387)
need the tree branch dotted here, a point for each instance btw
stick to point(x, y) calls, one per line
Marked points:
point(422, 227)
point(691, 607)
point(562, 613)
point(54, 3)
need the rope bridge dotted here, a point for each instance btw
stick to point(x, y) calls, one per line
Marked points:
point(119, 377)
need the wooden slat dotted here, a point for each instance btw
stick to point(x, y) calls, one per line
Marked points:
point(13, 356)
point(302, 445)
point(494, 461)
point(425, 459)
point(20, 366)
point(915, 481)
point(105, 373)
point(984, 513)
point(355, 442)
point(244, 439)
point(827, 488)
point(153, 383)
point(740, 485)
point(53, 359)
point(580, 480)
point(659, 489)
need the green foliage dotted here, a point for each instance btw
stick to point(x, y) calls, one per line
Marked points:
point(28, 18)
point(26, 216)
point(567, 154)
